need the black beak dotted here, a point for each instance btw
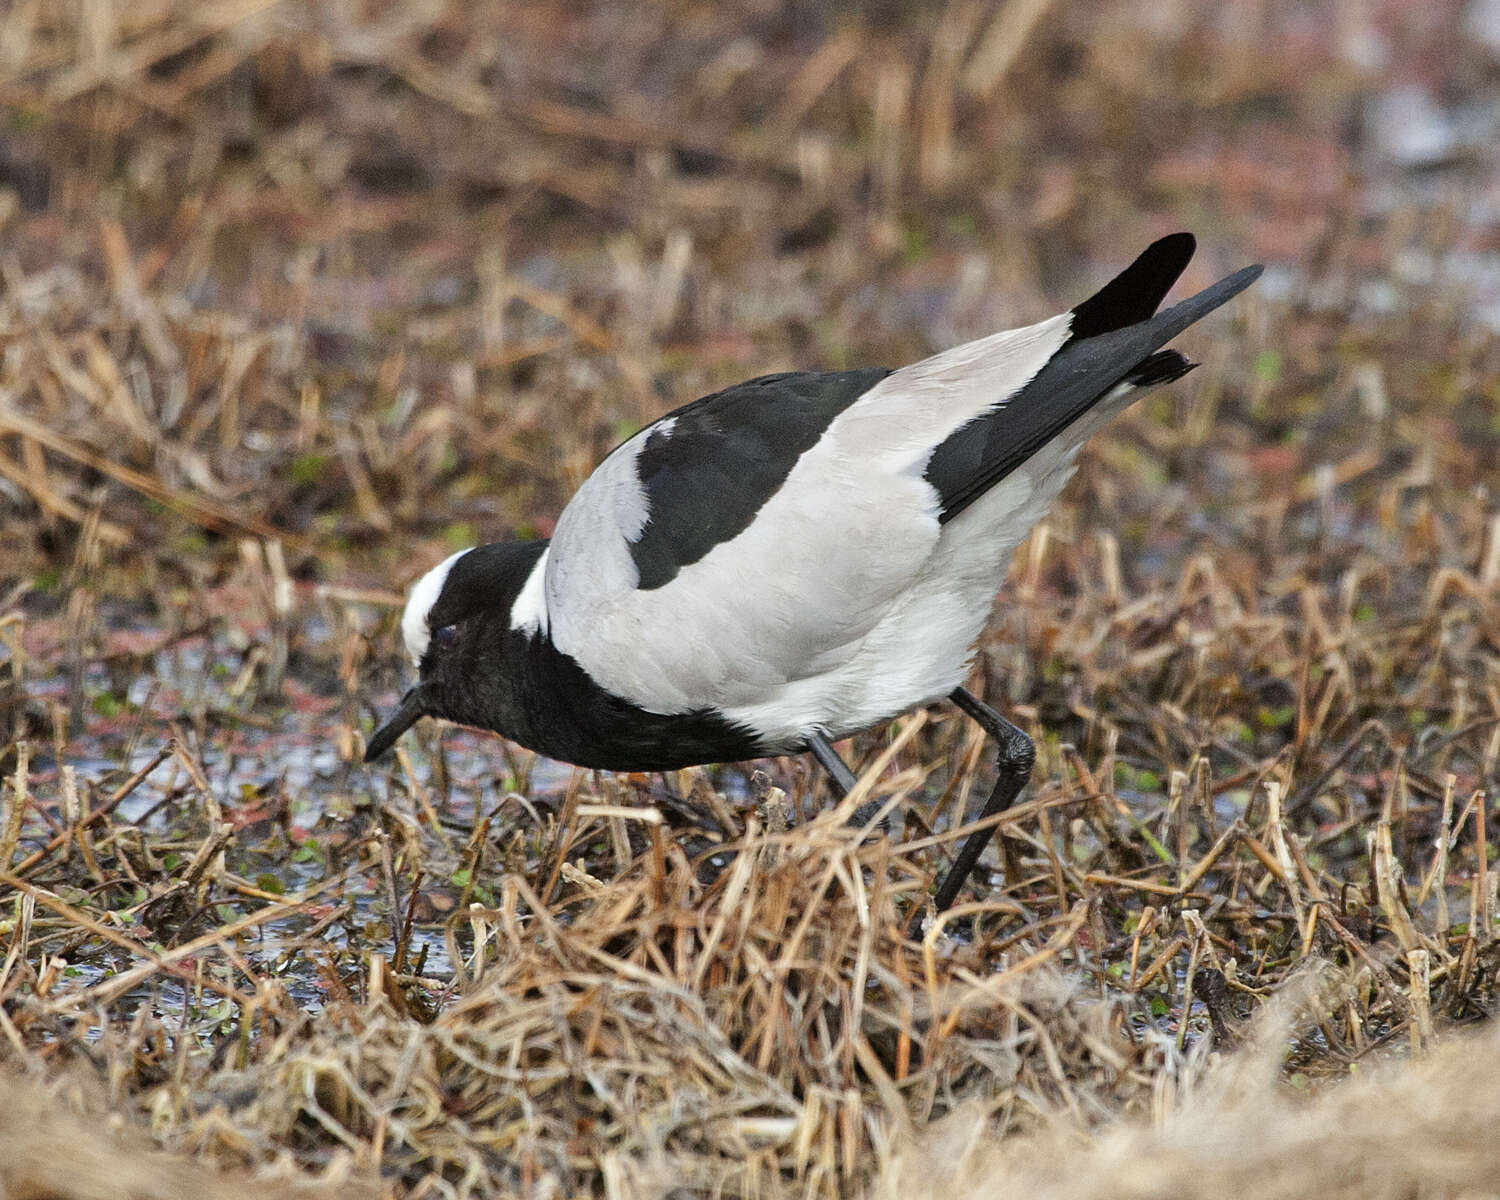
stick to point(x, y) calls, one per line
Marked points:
point(413, 707)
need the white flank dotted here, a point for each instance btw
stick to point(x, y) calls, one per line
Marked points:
point(529, 612)
point(414, 630)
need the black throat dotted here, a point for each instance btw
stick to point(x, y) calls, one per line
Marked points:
point(516, 682)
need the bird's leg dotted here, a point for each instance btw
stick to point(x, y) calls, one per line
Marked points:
point(842, 778)
point(839, 774)
point(1012, 770)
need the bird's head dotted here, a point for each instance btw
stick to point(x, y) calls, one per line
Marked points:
point(454, 627)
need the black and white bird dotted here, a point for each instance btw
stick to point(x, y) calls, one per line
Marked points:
point(794, 559)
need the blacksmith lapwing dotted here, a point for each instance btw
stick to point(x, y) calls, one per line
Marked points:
point(794, 559)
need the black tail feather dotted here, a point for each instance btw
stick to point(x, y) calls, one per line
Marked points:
point(1136, 292)
point(1162, 367)
point(987, 449)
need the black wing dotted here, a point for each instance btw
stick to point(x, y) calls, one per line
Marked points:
point(714, 467)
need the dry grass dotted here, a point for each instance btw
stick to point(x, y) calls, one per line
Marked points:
point(50, 1149)
point(296, 297)
point(1388, 1132)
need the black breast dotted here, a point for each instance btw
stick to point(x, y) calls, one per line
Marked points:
point(534, 694)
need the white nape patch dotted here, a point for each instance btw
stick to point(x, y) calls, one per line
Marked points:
point(529, 612)
point(424, 594)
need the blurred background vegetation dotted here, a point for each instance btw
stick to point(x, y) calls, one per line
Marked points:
point(374, 274)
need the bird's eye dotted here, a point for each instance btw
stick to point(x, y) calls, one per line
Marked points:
point(444, 637)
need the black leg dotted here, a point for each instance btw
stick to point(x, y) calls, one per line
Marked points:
point(1012, 770)
point(842, 778)
point(839, 774)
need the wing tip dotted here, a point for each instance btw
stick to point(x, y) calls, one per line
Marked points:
point(1194, 308)
point(1245, 276)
